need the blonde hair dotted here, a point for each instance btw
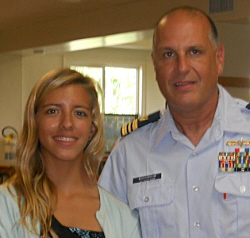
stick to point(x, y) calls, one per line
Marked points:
point(33, 187)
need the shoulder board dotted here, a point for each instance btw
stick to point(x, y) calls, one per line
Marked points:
point(248, 106)
point(139, 122)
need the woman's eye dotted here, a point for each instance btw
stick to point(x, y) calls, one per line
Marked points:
point(51, 111)
point(80, 113)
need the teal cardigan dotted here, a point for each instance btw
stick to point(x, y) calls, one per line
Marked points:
point(114, 217)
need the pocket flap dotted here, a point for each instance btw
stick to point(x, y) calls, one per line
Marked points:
point(234, 183)
point(150, 195)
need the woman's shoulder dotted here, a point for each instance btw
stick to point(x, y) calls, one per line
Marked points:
point(8, 194)
point(8, 202)
point(113, 204)
point(117, 215)
point(3, 189)
point(7, 190)
point(109, 198)
point(9, 215)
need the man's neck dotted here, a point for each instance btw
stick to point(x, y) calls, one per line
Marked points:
point(194, 124)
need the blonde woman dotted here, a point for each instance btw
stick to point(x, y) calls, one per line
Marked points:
point(54, 191)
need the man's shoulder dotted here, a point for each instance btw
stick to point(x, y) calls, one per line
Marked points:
point(237, 116)
point(243, 105)
point(138, 123)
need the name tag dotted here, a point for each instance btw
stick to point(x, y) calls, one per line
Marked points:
point(147, 178)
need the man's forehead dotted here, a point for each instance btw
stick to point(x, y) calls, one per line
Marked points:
point(183, 15)
point(180, 21)
point(185, 24)
point(185, 36)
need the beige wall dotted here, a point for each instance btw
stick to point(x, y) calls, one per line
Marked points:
point(33, 68)
point(236, 39)
point(10, 94)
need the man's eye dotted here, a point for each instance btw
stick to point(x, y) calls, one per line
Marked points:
point(195, 52)
point(168, 54)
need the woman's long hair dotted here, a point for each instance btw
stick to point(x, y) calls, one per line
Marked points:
point(34, 188)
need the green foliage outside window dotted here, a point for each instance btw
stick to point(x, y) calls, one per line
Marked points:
point(120, 86)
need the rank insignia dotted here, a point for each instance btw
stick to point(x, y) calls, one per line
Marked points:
point(139, 122)
point(237, 161)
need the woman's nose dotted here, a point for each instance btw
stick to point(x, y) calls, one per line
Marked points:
point(67, 121)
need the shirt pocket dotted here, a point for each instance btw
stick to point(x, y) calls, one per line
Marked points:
point(154, 201)
point(234, 204)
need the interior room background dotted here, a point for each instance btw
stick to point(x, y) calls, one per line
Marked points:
point(21, 68)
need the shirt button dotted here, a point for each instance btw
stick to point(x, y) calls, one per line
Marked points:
point(242, 189)
point(195, 188)
point(146, 199)
point(197, 224)
point(194, 154)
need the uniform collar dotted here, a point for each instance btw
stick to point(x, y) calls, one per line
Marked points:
point(165, 125)
point(228, 117)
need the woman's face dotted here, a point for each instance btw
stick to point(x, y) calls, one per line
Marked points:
point(64, 122)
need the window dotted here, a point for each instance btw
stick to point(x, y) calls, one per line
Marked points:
point(120, 86)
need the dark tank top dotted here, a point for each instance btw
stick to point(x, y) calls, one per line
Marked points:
point(71, 232)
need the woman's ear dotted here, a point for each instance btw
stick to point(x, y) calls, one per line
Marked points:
point(92, 131)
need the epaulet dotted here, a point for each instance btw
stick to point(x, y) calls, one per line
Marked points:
point(248, 106)
point(139, 122)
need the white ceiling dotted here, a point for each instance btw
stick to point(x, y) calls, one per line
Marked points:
point(65, 25)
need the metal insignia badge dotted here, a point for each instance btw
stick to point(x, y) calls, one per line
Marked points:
point(240, 143)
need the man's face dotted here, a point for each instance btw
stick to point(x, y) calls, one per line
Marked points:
point(186, 62)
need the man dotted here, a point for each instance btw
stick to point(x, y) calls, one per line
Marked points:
point(182, 172)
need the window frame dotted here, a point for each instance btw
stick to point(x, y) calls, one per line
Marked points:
point(139, 84)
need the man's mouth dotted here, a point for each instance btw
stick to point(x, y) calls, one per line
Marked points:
point(183, 83)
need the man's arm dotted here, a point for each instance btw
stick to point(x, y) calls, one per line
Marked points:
point(113, 177)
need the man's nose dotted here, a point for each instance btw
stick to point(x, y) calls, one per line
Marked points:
point(183, 64)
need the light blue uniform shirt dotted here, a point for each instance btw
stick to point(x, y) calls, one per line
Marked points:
point(176, 186)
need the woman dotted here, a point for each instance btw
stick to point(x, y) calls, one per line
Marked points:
point(54, 191)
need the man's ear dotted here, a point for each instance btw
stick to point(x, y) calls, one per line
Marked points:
point(220, 58)
point(153, 59)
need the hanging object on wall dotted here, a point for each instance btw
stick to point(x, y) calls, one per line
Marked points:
point(10, 138)
point(221, 6)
